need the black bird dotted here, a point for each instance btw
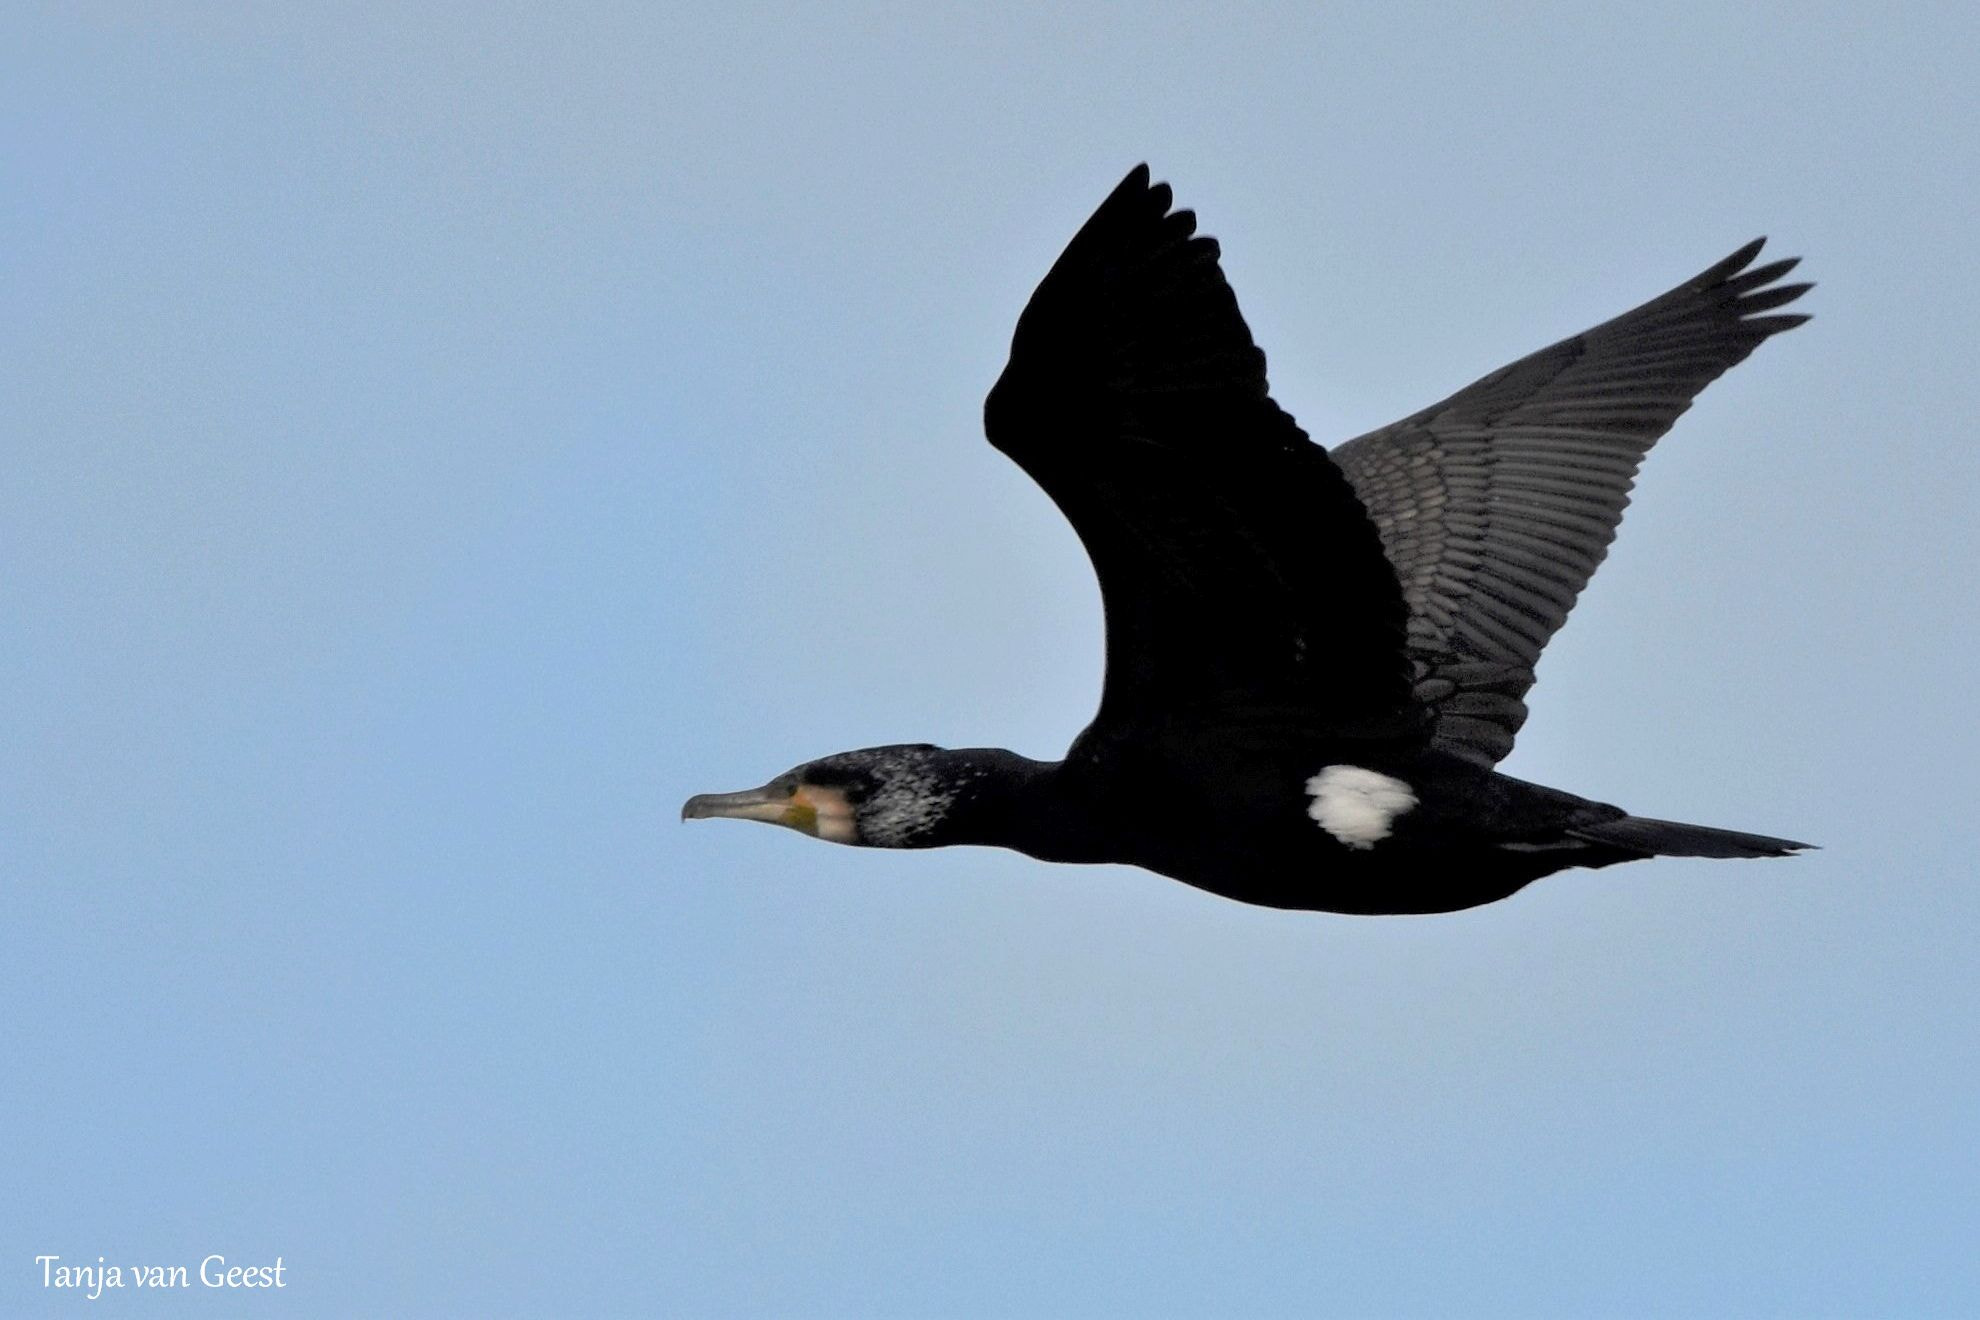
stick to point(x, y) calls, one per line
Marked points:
point(1314, 660)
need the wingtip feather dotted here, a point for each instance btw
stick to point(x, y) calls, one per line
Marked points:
point(1779, 295)
point(1760, 275)
point(1773, 325)
point(1732, 265)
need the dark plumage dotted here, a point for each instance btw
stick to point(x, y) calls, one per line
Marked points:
point(1313, 660)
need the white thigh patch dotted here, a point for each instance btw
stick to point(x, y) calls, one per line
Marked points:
point(1357, 806)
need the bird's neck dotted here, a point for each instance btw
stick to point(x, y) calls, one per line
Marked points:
point(1004, 800)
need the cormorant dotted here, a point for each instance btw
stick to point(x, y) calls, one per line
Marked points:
point(1314, 659)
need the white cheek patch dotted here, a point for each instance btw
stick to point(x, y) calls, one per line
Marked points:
point(1357, 806)
point(835, 816)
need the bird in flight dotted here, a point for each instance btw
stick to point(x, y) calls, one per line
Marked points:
point(1314, 659)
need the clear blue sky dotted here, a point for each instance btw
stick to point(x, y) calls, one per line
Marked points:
point(441, 439)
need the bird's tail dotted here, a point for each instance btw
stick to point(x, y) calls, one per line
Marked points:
point(1669, 838)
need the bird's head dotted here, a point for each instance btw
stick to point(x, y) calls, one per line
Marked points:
point(880, 797)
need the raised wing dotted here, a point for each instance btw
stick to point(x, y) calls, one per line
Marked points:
point(1496, 505)
point(1241, 579)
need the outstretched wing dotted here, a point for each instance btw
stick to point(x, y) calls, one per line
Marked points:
point(1242, 582)
point(1496, 505)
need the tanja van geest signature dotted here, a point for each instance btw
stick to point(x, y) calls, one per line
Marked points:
point(212, 1272)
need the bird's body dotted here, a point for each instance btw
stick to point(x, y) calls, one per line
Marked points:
point(1314, 661)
